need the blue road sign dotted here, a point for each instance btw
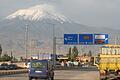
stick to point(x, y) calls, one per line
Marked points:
point(86, 39)
point(100, 38)
point(70, 39)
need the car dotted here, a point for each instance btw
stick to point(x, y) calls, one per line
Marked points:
point(12, 66)
point(41, 69)
point(57, 65)
point(4, 66)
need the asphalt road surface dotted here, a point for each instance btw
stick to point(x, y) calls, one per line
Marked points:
point(60, 75)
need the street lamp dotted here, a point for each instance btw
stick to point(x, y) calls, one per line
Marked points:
point(54, 43)
point(26, 41)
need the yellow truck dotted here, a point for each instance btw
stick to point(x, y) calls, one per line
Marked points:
point(109, 61)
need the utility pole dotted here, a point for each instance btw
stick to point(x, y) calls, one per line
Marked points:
point(54, 50)
point(118, 40)
point(11, 55)
point(38, 55)
point(115, 39)
point(54, 45)
point(26, 41)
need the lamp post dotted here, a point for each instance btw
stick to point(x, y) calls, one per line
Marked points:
point(26, 41)
point(54, 42)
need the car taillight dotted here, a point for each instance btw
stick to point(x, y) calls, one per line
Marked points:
point(29, 70)
point(102, 73)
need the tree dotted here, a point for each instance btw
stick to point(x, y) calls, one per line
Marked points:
point(84, 54)
point(0, 50)
point(69, 54)
point(6, 57)
point(90, 53)
point(15, 59)
point(21, 58)
point(74, 53)
point(11, 56)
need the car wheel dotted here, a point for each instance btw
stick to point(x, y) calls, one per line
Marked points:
point(30, 78)
point(49, 78)
point(52, 78)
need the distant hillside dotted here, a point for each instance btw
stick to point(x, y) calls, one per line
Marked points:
point(40, 21)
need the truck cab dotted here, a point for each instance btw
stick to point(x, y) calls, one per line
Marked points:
point(41, 69)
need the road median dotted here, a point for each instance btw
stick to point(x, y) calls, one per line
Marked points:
point(9, 72)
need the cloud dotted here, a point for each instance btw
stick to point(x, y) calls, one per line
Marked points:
point(90, 12)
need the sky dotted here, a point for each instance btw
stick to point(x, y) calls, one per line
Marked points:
point(96, 13)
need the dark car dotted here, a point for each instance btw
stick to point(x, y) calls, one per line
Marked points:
point(57, 65)
point(4, 66)
point(12, 66)
point(41, 69)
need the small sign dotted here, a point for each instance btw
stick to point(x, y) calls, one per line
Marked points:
point(70, 39)
point(86, 39)
point(100, 38)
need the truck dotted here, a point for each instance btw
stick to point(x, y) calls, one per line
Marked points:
point(109, 62)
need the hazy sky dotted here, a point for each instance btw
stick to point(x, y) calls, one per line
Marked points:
point(89, 12)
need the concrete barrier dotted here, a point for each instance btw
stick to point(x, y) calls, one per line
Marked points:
point(19, 64)
point(9, 72)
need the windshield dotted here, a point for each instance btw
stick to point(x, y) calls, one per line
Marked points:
point(39, 65)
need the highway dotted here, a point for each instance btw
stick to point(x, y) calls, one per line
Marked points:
point(60, 75)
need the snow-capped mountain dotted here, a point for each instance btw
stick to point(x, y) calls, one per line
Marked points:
point(38, 13)
point(40, 20)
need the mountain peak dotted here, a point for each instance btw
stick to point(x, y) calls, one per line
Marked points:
point(38, 12)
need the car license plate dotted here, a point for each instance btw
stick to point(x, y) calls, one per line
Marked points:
point(38, 71)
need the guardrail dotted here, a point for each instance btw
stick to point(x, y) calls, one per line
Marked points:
point(90, 68)
point(9, 72)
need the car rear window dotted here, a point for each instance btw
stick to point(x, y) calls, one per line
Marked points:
point(39, 65)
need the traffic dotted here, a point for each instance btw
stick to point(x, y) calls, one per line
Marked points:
point(106, 63)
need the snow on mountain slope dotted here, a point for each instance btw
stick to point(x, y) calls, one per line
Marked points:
point(38, 12)
point(12, 28)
